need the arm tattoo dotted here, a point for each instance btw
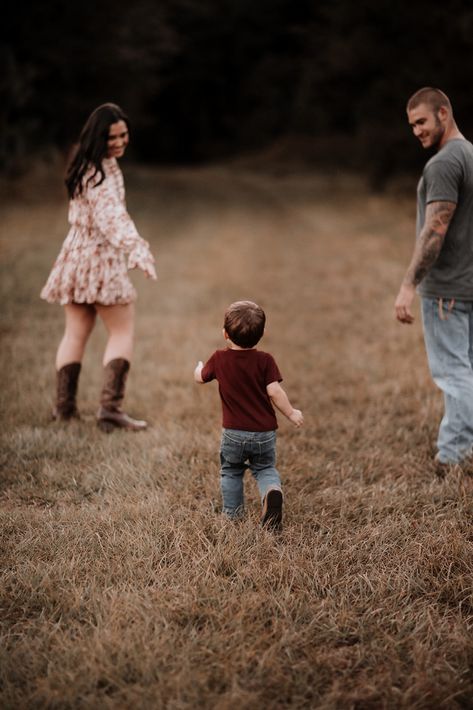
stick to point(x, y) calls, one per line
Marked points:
point(437, 220)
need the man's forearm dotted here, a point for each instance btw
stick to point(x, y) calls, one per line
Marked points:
point(425, 256)
point(431, 238)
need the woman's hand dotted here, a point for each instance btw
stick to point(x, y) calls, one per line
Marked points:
point(150, 272)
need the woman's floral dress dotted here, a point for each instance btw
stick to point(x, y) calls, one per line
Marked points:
point(92, 266)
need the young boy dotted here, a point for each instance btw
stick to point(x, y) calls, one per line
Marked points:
point(248, 381)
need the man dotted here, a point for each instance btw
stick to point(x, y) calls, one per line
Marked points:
point(441, 268)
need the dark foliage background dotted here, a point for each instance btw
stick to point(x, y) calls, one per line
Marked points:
point(208, 79)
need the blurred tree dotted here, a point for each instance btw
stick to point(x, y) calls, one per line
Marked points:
point(63, 59)
point(204, 79)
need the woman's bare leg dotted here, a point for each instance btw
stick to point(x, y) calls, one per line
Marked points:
point(80, 320)
point(119, 321)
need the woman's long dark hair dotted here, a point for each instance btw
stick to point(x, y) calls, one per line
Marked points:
point(92, 147)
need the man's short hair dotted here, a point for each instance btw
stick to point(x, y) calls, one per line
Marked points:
point(244, 323)
point(434, 98)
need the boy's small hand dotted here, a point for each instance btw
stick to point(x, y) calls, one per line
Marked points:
point(198, 371)
point(296, 418)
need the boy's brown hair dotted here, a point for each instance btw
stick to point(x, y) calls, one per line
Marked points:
point(244, 323)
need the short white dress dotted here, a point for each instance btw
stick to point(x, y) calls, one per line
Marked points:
point(92, 266)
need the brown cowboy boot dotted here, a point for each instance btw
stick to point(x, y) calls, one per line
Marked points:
point(110, 415)
point(67, 378)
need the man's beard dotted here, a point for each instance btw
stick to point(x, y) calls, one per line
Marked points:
point(438, 135)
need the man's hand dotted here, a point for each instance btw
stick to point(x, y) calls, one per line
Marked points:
point(403, 305)
point(296, 418)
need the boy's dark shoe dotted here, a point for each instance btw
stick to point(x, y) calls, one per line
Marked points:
point(272, 509)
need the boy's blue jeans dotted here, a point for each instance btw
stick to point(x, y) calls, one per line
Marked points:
point(448, 334)
point(240, 450)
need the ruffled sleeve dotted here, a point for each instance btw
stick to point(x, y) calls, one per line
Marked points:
point(111, 218)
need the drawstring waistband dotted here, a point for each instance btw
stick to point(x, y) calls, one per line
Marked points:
point(450, 305)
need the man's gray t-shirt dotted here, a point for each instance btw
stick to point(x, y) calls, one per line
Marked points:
point(448, 177)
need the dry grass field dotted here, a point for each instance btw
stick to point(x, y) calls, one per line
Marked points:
point(122, 586)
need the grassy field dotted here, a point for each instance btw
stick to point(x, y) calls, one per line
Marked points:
point(122, 586)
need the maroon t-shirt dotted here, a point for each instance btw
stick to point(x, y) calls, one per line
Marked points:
point(243, 376)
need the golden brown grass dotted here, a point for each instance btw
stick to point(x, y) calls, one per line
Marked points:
point(122, 587)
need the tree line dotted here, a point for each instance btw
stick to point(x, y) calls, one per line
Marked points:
point(208, 79)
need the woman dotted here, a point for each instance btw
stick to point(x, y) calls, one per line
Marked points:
point(90, 276)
